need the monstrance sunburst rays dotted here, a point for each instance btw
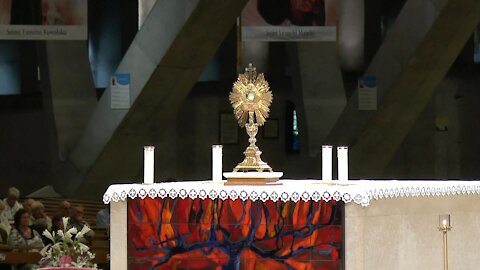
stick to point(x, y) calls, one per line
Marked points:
point(251, 93)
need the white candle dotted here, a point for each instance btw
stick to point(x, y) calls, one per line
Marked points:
point(342, 155)
point(444, 221)
point(326, 162)
point(148, 167)
point(217, 162)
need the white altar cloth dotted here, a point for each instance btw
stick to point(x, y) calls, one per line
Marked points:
point(357, 191)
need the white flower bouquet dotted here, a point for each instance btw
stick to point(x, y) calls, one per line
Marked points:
point(67, 248)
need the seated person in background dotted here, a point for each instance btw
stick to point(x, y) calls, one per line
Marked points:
point(3, 231)
point(39, 219)
point(64, 209)
point(103, 217)
point(77, 221)
point(4, 223)
point(22, 237)
point(3, 236)
point(57, 223)
point(11, 204)
point(3, 241)
point(27, 204)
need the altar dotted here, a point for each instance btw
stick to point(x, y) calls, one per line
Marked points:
point(301, 224)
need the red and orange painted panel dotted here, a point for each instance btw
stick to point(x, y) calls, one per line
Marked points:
point(182, 234)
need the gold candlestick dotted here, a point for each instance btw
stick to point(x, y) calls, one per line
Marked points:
point(444, 227)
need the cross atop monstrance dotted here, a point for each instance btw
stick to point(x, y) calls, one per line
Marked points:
point(251, 98)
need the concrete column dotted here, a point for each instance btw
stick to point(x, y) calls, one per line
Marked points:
point(320, 84)
point(70, 93)
point(69, 98)
point(351, 23)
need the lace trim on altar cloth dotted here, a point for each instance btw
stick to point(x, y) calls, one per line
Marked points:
point(357, 191)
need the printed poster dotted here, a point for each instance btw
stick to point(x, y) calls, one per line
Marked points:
point(120, 91)
point(367, 93)
point(43, 20)
point(289, 20)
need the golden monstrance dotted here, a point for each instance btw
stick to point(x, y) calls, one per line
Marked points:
point(251, 98)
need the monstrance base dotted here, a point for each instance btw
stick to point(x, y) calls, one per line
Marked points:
point(252, 178)
point(260, 167)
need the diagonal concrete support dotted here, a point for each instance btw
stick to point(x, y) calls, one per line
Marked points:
point(419, 50)
point(164, 61)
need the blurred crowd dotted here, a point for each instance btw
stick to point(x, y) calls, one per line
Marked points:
point(22, 223)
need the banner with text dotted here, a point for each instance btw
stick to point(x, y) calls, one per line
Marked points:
point(294, 20)
point(50, 20)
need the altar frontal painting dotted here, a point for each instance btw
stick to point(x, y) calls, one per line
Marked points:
point(233, 234)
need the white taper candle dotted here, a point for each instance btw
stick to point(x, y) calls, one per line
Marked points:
point(342, 154)
point(326, 162)
point(217, 162)
point(149, 164)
